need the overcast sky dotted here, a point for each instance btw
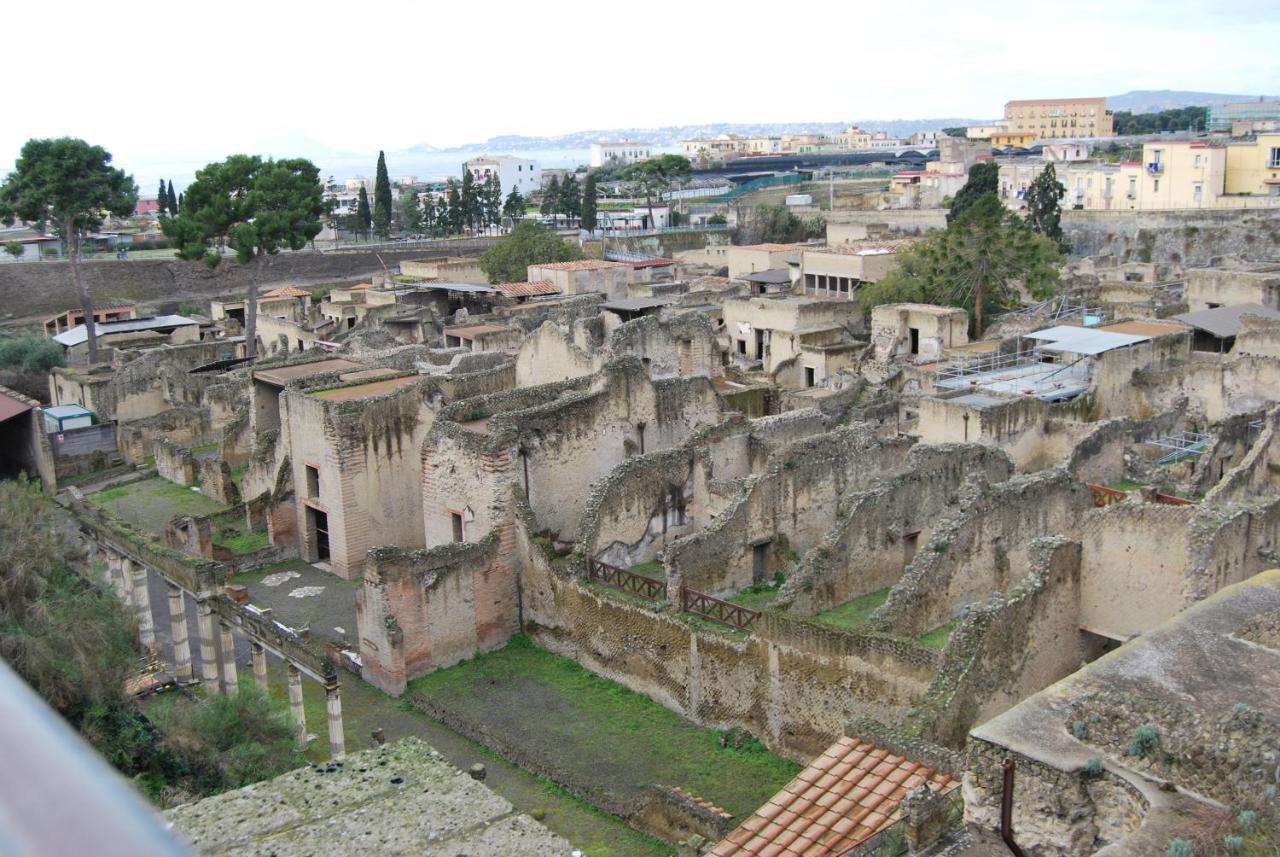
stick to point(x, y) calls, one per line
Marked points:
point(176, 82)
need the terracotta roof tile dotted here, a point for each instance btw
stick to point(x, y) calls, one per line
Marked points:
point(527, 290)
point(846, 795)
point(286, 292)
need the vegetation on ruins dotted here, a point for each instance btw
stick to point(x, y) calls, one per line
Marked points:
point(69, 185)
point(382, 199)
point(528, 244)
point(1044, 214)
point(981, 262)
point(253, 207)
point(75, 645)
point(984, 178)
point(775, 224)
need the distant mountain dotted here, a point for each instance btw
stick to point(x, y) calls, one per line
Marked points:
point(1155, 100)
point(671, 135)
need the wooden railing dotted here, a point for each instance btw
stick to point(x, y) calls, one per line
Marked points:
point(724, 612)
point(627, 581)
point(1104, 496)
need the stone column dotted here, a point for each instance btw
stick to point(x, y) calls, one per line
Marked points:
point(295, 706)
point(114, 573)
point(208, 650)
point(137, 574)
point(333, 712)
point(230, 683)
point(182, 672)
point(259, 655)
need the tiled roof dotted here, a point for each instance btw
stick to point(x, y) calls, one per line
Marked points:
point(580, 265)
point(772, 248)
point(865, 248)
point(527, 290)
point(845, 796)
point(286, 292)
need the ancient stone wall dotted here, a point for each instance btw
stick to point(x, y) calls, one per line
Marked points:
point(1183, 238)
point(174, 462)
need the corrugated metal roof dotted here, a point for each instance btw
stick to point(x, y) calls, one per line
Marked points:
point(1083, 340)
point(77, 334)
point(1224, 321)
point(10, 406)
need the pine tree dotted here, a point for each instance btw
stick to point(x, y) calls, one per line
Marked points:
point(468, 201)
point(382, 199)
point(494, 201)
point(453, 215)
point(172, 200)
point(984, 178)
point(363, 216)
point(514, 206)
point(162, 199)
point(589, 203)
point(570, 198)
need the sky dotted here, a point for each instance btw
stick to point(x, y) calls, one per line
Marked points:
point(169, 85)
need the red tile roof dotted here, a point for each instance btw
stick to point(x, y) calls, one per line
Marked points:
point(847, 795)
point(579, 265)
point(286, 292)
point(527, 290)
point(651, 263)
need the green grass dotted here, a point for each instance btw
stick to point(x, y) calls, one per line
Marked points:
point(242, 542)
point(601, 731)
point(854, 615)
point(652, 568)
point(205, 447)
point(757, 596)
point(1126, 485)
point(937, 638)
point(150, 503)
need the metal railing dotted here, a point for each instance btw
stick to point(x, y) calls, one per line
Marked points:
point(628, 581)
point(723, 612)
point(1179, 445)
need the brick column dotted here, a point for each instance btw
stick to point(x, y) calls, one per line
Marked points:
point(182, 671)
point(259, 655)
point(137, 574)
point(208, 649)
point(230, 682)
point(295, 706)
point(333, 713)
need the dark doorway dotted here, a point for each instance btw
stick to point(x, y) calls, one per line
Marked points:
point(320, 525)
point(459, 533)
point(910, 544)
point(915, 340)
point(760, 562)
point(759, 344)
point(809, 379)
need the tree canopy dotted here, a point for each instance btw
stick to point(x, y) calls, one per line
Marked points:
point(654, 176)
point(69, 184)
point(252, 207)
point(980, 262)
point(382, 199)
point(528, 244)
point(1044, 214)
point(1178, 119)
point(984, 178)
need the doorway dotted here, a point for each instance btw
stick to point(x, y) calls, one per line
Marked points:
point(759, 344)
point(760, 562)
point(910, 544)
point(809, 376)
point(915, 340)
point(318, 523)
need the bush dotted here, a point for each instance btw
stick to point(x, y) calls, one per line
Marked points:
point(1233, 844)
point(717, 220)
point(1246, 819)
point(1093, 767)
point(1145, 740)
point(1080, 729)
point(30, 353)
point(1179, 847)
point(528, 244)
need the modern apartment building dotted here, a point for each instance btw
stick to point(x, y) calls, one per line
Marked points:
point(1051, 118)
point(621, 153)
point(521, 174)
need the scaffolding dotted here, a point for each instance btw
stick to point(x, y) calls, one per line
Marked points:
point(1038, 373)
point(1060, 308)
point(1179, 445)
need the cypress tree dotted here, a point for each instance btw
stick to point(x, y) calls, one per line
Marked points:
point(589, 203)
point(363, 216)
point(382, 199)
point(172, 200)
point(551, 197)
point(162, 199)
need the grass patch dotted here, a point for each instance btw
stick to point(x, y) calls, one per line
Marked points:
point(937, 638)
point(242, 542)
point(205, 447)
point(150, 503)
point(652, 568)
point(1126, 485)
point(604, 733)
point(856, 614)
point(758, 596)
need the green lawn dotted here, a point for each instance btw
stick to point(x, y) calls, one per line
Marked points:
point(652, 568)
point(854, 615)
point(149, 504)
point(601, 733)
point(937, 638)
point(757, 596)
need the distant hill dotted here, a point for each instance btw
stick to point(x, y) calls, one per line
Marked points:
point(1155, 100)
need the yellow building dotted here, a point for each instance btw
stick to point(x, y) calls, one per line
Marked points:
point(1003, 137)
point(1253, 166)
point(1050, 118)
point(1182, 174)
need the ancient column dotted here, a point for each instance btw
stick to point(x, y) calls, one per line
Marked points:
point(178, 631)
point(208, 649)
point(137, 573)
point(295, 706)
point(333, 711)
point(259, 655)
point(230, 683)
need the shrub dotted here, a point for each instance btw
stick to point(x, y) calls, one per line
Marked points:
point(1093, 767)
point(1234, 844)
point(1145, 740)
point(30, 353)
point(1179, 847)
point(1080, 729)
point(717, 220)
point(1246, 819)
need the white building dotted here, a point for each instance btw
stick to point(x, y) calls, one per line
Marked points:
point(519, 173)
point(621, 153)
point(925, 138)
